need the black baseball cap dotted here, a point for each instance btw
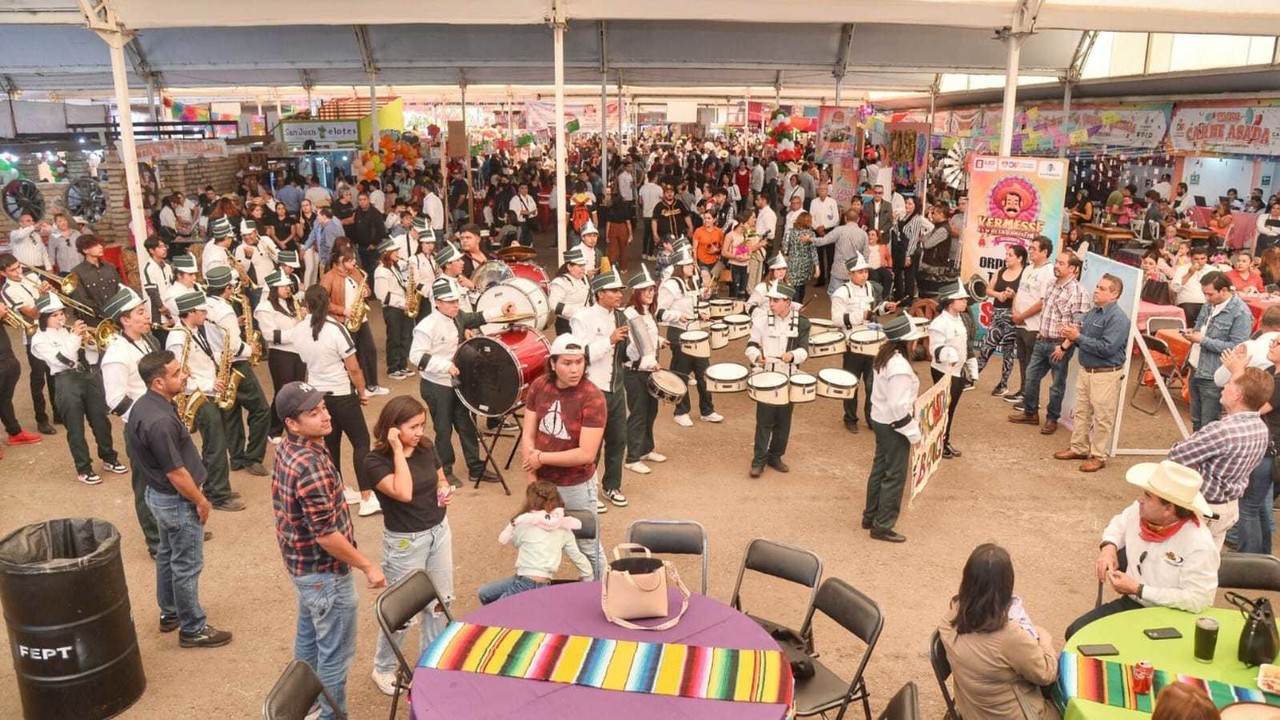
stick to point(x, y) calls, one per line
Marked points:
point(296, 398)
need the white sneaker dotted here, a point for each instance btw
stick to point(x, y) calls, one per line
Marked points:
point(386, 682)
point(352, 496)
point(693, 380)
point(370, 506)
point(616, 497)
point(713, 418)
point(313, 713)
point(638, 467)
point(655, 457)
point(377, 390)
point(684, 420)
point(601, 508)
point(275, 440)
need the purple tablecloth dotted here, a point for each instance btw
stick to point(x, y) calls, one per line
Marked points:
point(574, 608)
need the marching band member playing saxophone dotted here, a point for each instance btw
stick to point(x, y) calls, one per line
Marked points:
point(246, 450)
point(277, 314)
point(677, 298)
point(208, 341)
point(425, 270)
point(389, 286)
point(343, 283)
point(78, 394)
point(185, 276)
point(780, 343)
point(288, 263)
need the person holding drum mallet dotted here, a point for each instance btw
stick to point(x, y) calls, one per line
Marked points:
point(779, 343)
point(678, 297)
point(852, 305)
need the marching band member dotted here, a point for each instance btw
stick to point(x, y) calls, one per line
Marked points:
point(759, 301)
point(779, 343)
point(852, 305)
point(435, 340)
point(451, 262)
point(417, 233)
point(123, 386)
point(20, 292)
point(569, 291)
point(246, 450)
point(277, 314)
point(893, 420)
point(677, 297)
point(79, 390)
point(329, 352)
point(389, 287)
point(591, 255)
point(185, 276)
point(289, 265)
point(157, 279)
point(255, 257)
point(642, 408)
point(948, 346)
point(343, 281)
point(10, 371)
point(425, 270)
point(207, 341)
point(217, 252)
point(602, 328)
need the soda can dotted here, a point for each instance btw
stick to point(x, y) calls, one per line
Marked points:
point(1142, 673)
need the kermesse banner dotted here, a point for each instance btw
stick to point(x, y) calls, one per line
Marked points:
point(931, 415)
point(1011, 201)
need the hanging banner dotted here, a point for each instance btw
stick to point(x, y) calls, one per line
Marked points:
point(908, 148)
point(1011, 201)
point(844, 178)
point(344, 132)
point(542, 114)
point(1244, 130)
point(171, 149)
point(836, 134)
point(931, 416)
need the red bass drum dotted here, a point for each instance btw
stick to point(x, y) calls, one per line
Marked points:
point(531, 271)
point(495, 370)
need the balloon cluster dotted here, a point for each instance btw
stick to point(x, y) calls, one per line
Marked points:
point(392, 150)
point(57, 167)
point(8, 172)
point(864, 112)
point(782, 137)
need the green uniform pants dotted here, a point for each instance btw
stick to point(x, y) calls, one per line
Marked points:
point(213, 452)
point(773, 431)
point(614, 445)
point(888, 477)
point(249, 399)
point(79, 397)
point(448, 413)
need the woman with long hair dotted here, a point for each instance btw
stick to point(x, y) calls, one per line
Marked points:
point(618, 218)
point(307, 218)
point(802, 257)
point(737, 252)
point(997, 655)
point(278, 313)
point(642, 408)
point(678, 297)
point(1220, 225)
point(402, 470)
point(329, 353)
point(1000, 336)
point(893, 396)
point(389, 286)
point(904, 247)
point(344, 281)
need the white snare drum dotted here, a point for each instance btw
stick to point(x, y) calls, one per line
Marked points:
point(919, 323)
point(696, 343)
point(720, 307)
point(667, 386)
point(739, 308)
point(719, 335)
point(826, 343)
point(770, 388)
point(821, 325)
point(865, 341)
point(524, 294)
point(739, 326)
point(837, 383)
point(804, 388)
point(727, 377)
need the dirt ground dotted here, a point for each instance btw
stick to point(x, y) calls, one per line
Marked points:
point(1006, 488)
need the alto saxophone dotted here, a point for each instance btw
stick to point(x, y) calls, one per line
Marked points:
point(188, 403)
point(359, 309)
point(412, 299)
point(251, 336)
point(228, 376)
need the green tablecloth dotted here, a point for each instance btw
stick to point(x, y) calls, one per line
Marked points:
point(1124, 630)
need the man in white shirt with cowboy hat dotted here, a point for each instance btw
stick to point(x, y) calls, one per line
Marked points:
point(1171, 558)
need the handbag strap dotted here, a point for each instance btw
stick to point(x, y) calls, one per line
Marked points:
point(629, 548)
point(684, 603)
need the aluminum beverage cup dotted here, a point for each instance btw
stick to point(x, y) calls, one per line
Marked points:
point(1142, 673)
point(1206, 639)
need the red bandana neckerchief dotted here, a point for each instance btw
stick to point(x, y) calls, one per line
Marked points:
point(1153, 533)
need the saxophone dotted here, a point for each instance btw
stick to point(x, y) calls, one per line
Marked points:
point(412, 298)
point(359, 309)
point(251, 336)
point(228, 376)
point(188, 403)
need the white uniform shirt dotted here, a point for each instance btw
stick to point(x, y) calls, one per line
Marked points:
point(593, 325)
point(262, 262)
point(206, 349)
point(948, 341)
point(160, 277)
point(59, 350)
point(388, 286)
point(770, 335)
point(524, 207)
point(325, 356)
point(276, 327)
point(120, 378)
point(424, 273)
point(214, 256)
point(893, 396)
point(435, 340)
point(433, 208)
point(222, 314)
point(21, 295)
point(676, 303)
point(851, 304)
point(567, 295)
point(1181, 572)
point(176, 290)
point(1033, 288)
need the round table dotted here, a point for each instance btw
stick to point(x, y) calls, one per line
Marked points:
point(1124, 630)
point(574, 608)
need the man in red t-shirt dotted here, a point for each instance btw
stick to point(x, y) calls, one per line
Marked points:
point(564, 423)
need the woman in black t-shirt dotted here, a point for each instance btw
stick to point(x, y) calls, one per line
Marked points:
point(1000, 336)
point(403, 470)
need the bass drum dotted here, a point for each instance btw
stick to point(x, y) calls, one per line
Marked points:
point(524, 294)
point(531, 271)
point(491, 273)
point(495, 370)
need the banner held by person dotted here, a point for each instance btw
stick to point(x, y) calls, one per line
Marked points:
point(931, 415)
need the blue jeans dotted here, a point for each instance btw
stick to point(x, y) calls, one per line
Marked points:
point(1254, 526)
point(1041, 364)
point(326, 638)
point(179, 559)
point(1206, 402)
point(513, 585)
point(402, 553)
point(583, 497)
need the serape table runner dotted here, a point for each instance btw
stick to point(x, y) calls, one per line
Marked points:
point(1111, 683)
point(673, 669)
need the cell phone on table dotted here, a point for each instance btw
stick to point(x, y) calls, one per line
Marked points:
point(1164, 633)
point(1097, 650)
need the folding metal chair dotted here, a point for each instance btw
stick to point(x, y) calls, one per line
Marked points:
point(941, 672)
point(785, 562)
point(1169, 369)
point(1249, 571)
point(395, 608)
point(588, 531)
point(861, 616)
point(905, 704)
point(293, 695)
point(672, 537)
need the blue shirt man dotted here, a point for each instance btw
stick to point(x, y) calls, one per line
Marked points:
point(1223, 323)
point(291, 196)
point(325, 233)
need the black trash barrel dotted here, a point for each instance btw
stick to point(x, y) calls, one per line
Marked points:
point(66, 607)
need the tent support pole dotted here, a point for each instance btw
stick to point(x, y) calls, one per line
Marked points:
point(373, 110)
point(471, 207)
point(562, 235)
point(1013, 42)
point(128, 147)
point(619, 96)
point(1066, 112)
point(604, 131)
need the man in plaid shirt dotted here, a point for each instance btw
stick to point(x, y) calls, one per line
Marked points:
point(1064, 304)
point(1226, 451)
point(313, 529)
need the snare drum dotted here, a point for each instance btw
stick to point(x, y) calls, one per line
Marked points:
point(727, 378)
point(696, 343)
point(837, 383)
point(739, 326)
point(495, 370)
point(821, 325)
point(865, 341)
point(826, 343)
point(804, 388)
point(667, 386)
point(524, 294)
point(770, 388)
point(719, 335)
point(720, 307)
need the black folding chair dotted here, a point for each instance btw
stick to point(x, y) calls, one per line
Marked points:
point(942, 671)
point(785, 562)
point(672, 537)
point(905, 705)
point(395, 608)
point(861, 616)
point(1249, 571)
point(588, 531)
point(295, 693)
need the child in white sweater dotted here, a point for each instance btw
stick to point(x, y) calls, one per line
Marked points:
point(541, 532)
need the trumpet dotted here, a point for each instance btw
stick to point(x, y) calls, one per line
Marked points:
point(14, 319)
point(66, 285)
point(100, 336)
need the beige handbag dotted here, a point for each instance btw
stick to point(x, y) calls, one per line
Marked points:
point(635, 587)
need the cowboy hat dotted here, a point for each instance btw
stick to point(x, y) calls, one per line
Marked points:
point(1171, 482)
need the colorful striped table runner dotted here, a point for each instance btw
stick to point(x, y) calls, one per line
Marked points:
point(692, 671)
point(1111, 683)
